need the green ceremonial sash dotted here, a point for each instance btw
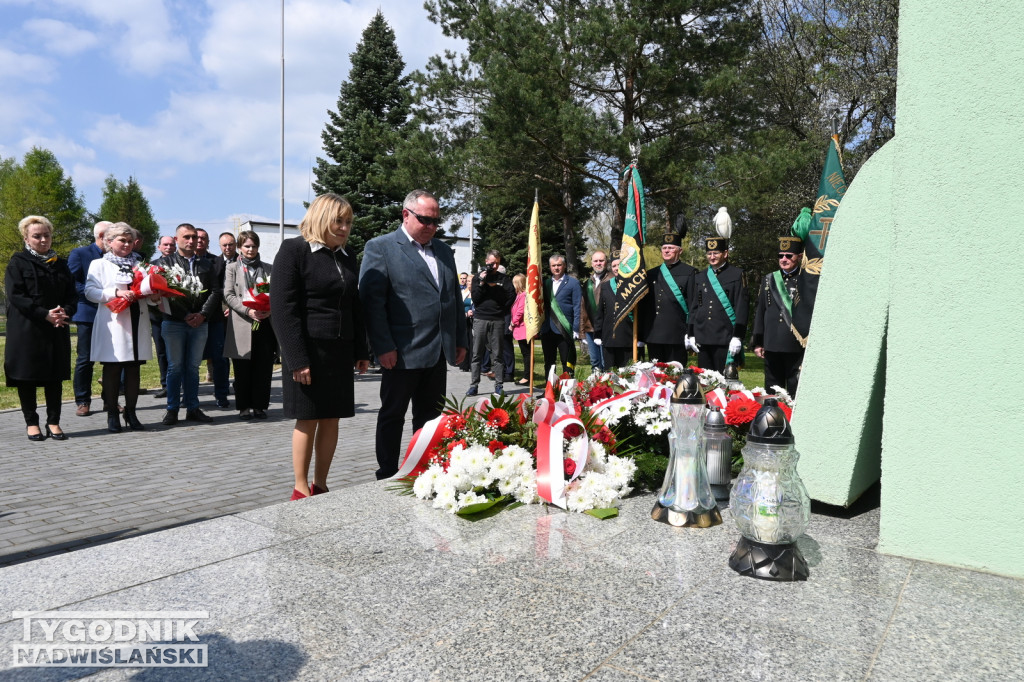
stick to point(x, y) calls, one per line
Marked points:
point(720, 293)
point(591, 301)
point(724, 300)
point(560, 318)
point(615, 290)
point(667, 274)
point(782, 293)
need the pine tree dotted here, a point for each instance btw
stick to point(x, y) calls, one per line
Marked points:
point(38, 186)
point(126, 203)
point(361, 136)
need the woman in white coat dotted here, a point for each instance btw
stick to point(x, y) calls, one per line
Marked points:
point(251, 350)
point(121, 341)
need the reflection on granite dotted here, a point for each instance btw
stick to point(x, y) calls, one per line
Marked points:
point(365, 584)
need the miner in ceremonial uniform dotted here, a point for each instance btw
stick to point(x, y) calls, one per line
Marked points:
point(774, 338)
point(588, 310)
point(667, 304)
point(616, 343)
point(718, 309)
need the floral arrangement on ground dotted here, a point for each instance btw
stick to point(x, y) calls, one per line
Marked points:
point(583, 451)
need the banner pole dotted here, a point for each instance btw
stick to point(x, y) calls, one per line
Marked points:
point(634, 339)
point(532, 341)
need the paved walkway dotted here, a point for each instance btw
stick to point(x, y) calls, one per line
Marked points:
point(96, 486)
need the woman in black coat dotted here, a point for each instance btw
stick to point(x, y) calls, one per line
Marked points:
point(41, 299)
point(319, 326)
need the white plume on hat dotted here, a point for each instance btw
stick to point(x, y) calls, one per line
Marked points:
point(723, 223)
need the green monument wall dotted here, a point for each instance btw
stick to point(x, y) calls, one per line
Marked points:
point(914, 361)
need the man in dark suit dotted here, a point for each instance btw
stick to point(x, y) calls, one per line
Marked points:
point(718, 310)
point(218, 366)
point(591, 299)
point(773, 337)
point(616, 343)
point(667, 305)
point(561, 327)
point(412, 305)
point(78, 262)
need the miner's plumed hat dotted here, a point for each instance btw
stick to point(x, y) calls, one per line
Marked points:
point(671, 239)
point(716, 244)
point(791, 244)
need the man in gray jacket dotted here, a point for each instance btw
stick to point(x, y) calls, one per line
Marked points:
point(412, 306)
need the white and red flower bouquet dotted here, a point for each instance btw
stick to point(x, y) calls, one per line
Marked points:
point(257, 297)
point(147, 281)
point(506, 451)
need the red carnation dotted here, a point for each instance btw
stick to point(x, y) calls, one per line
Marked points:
point(696, 369)
point(498, 418)
point(573, 431)
point(570, 467)
point(456, 422)
point(495, 445)
point(741, 410)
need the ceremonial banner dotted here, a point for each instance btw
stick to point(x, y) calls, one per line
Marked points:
point(632, 271)
point(815, 233)
point(534, 290)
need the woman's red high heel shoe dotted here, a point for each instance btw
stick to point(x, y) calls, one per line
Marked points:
point(296, 495)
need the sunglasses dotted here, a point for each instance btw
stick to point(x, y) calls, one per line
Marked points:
point(425, 220)
point(789, 256)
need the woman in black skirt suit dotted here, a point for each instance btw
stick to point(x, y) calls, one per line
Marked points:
point(319, 326)
point(41, 299)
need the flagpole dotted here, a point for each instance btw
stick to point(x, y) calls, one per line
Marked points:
point(634, 339)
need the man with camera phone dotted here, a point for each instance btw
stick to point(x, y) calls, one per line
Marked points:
point(493, 295)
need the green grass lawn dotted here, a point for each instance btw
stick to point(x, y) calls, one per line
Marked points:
point(150, 378)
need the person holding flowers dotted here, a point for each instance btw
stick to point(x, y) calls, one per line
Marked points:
point(250, 341)
point(318, 320)
point(120, 340)
point(41, 299)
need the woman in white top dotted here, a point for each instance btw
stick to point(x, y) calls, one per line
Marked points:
point(121, 341)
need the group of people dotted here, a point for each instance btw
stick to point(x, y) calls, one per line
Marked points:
point(405, 304)
point(705, 312)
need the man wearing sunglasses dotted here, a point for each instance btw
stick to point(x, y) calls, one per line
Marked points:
point(412, 305)
point(718, 310)
point(773, 337)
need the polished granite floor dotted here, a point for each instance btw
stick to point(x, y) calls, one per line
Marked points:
point(364, 584)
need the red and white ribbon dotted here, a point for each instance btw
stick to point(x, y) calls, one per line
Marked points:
point(718, 398)
point(423, 441)
point(610, 403)
point(551, 483)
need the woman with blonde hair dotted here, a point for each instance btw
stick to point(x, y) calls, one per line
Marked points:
point(319, 326)
point(41, 299)
point(121, 341)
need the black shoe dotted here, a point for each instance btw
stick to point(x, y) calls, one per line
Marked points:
point(162, 393)
point(471, 391)
point(259, 414)
point(113, 422)
point(132, 422)
point(197, 415)
point(55, 436)
point(36, 437)
point(171, 418)
point(223, 402)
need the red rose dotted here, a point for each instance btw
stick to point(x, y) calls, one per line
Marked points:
point(573, 431)
point(570, 467)
point(696, 370)
point(605, 436)
point(741, 410)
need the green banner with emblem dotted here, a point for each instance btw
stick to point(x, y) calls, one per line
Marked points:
point(815, 233)
point(632, 270)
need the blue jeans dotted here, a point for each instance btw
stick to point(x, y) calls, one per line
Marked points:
point(596, 355)
point(82, 379)
point(184, 346)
